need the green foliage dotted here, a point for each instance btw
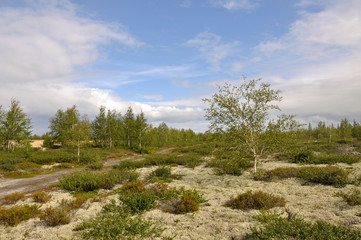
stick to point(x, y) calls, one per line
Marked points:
point(95, 165)
point(13, 216)
point(255, 200)
point(55, 216)
point(191, 160)
point(163, 192)
point(90, 181)
point(307, 156)
point(41, 197)
point(76, 203)
point(118, 222)
point(276, 227)
point(188, 202)
point(136, 186)
point(352, 199)
point(162, 174)
point(200, 149)
point(138, 202)
point(13, 198)
point(231, 166)
point(328, 175)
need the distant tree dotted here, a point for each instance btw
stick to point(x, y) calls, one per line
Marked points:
point(129, 124)
point(163, 134)
point(345, 129)
point(81, 134)
point(242, 113)
point(99, 127)
point(141, 127)
point(15, 125)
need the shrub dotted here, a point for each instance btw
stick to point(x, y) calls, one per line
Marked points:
point(131, 164)
point(328, 175)
point(90, 181)
point(13, 197)
point(188, 202)
point(257, 200)
point(191, 160)
point(89, 157)
point(55, 216)
point(137, 186)
point(162, 191)
point(352, 199)
point(159, 159)
point(29, 166)
point(302, 156)
point(41, 197)
point(13, 216)
point(95, 165)
point(231, 166)
point(138, 202)
point(162, 174)
point(275, 227)
point(117, 222)
point(76, 203)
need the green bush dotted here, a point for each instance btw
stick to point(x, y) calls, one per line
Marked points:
point(138, 202)
point(302, 156)
point(117, 222)
point(89, 157)
point(163, 192)
point(256, 200)
point(13, 197)
point(188, 202)
point(76, 203)
point(90, 181)
point(231, 166)
point(29, 166)
point(55, 216)
point(130, 164)
point(328, 175)
point(13, 216)
point(191, 160)
point(275, 227)
point(95, 165)
point(162, 174)
point(136, 186)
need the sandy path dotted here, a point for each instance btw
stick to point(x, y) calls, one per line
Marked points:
point(26, 185)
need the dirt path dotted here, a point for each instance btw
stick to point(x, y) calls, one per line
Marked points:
point(9, 185)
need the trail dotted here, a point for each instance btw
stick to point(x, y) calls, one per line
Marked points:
point(39, 182)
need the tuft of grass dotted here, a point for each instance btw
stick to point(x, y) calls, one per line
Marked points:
point(276, 227)
point(255, 200)
point(13, 197)
point(118, 222)
point(15, 215)
point(55, 216)
point(41, 197)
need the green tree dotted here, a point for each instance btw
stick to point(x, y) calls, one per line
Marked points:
point(141, 127)
point(129, 123)
point(345, 129)
point(99, 127)
point(81, 134)
point(242, 112)
point(15, 125)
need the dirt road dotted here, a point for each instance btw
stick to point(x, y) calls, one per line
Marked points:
point(8, 185)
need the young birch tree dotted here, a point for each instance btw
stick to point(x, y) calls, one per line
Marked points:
point(242, 112)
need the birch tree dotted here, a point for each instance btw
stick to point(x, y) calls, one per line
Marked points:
point(242, 112)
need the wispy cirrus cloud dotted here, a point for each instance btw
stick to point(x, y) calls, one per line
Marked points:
point(234, 4)
point(213, 49)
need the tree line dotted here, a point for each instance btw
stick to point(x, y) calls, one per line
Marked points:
point(109, 129)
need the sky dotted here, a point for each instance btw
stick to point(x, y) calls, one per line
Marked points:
point(163, 57)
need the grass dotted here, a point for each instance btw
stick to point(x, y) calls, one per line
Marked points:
point(255, 200)
point(118, 222)
point(328, 175)
point(276, 227)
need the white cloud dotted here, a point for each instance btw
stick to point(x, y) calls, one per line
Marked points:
point(42, 47)
point(213, 49)
point(156, 97)
point(318, 61)
point(234, 4)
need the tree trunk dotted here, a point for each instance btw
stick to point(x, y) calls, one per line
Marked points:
point(78, 151)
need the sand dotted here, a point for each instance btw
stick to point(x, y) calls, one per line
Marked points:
point(213, 220)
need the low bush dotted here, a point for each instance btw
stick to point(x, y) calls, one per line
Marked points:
point(95, 165)
point(13, 216)
point(117, 222)
point(29, 166)
point(307, 157)
point(162, 174)
point(328, 175)
point(352, 199)
point(276, 227)
point(130, 164)
point(41, 197)
point(188, 202)
point(136, 186)
point(138, 202)
point(55, 216)
point(255, 200)
point(90, 181)
point(13, 198)
point(159, 159)
point(191, 160)
point(76, 203)
point(163, 192)
point(229, 166)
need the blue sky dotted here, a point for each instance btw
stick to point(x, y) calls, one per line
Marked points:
point(164, 56)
